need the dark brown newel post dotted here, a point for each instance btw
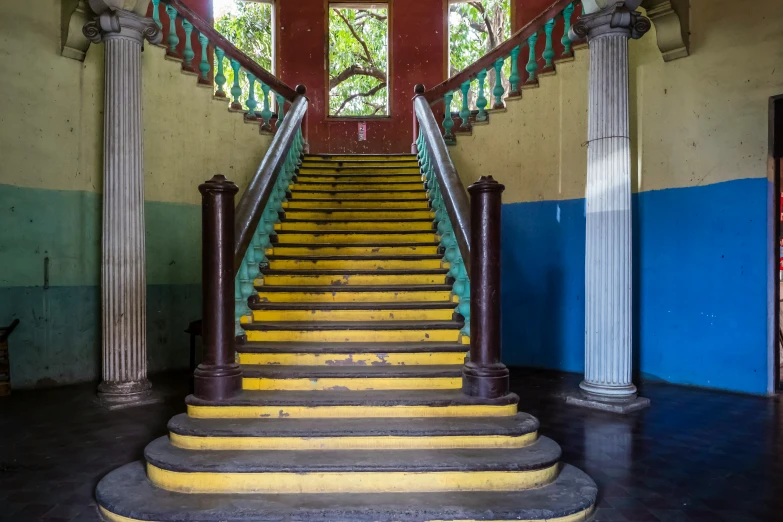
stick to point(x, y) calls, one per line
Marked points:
point(218, 376)
point(485, 376)
point(418, 90)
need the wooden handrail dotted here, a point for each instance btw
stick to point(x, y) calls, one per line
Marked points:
point(455, 197)
point(218, 40)
point(501, 51)
point(254, 200)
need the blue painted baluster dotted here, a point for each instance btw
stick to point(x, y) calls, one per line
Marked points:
point(549, 52)
point(156, 13)
point(566, 40)
point(236, 90)
point(204, 65)
point(532, 66)
point(266, 112)
point(188, 54)
point(481, 100)
point(514, 78)
point(280, 110)
point(220, 78)
point(173, 39)
point(251, 97)
point(499, 90)
point(448, 121)
point(464, 113)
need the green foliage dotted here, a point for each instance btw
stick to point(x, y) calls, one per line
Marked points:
point(358, 37)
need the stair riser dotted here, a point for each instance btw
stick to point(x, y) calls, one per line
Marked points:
point(414, 185)
point(351, 443)
point(352, 280)
point(321, 238)
point(415, 196)
point(357, 264)
point(354, 297)
point(353, 315)
point(359, 178)
point(353, 336)
point(349, 482)
point(364, 157)
point(338, 164)
point(305, 204)
point(351, 250)
point(420, 226)
point(307, 169)
point(348, 384)
point(352, 359)
point(348, 412)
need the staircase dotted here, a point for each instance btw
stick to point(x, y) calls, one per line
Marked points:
point(352, 407)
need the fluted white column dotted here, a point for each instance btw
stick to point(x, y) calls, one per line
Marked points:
point(123, 280)
point(608, 280)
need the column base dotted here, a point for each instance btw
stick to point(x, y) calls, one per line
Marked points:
point(114, 395)
point(614, 399)
point(488, 382)
point(215, 383)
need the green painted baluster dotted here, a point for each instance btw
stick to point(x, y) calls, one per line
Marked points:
point(251, 96)
point(188, 54)
point(514, 78)
point(549, 51)
point(448, 121)
point(204, 65)
point(464, 113)
point(240, 307)
point(266, 113)
point(173, 39)
point(236, 90)
point(566, 40)
point(280, 110)
point(220, 78)
point(532, 66)
point(499, 90)
point(156, 13)
point(481, 100)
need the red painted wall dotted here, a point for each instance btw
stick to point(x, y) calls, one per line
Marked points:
point(417, 54)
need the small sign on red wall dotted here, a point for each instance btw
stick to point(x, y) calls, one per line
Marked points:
point(362, 131)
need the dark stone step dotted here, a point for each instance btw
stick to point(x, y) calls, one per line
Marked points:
point(434, 398)
point(401, 271)
point(127, 492)
point(419, 191)
point(270, 371)
point(516, 426)
point(363, 200)
point(401, 257)
point(333, 221)
point(354, 232)
point(358, 183)
point(328, 348)
point(351, 245)
point(541, 454)
point(353, 325)
point(422, 305)
point(358, 288)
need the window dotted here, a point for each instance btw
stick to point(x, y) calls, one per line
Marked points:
point(358, 59)
point(475, 28)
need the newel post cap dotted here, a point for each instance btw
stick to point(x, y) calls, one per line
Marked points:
point(486, 184)
point(217, 185)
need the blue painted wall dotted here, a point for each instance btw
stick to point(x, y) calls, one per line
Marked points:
point(700, 290)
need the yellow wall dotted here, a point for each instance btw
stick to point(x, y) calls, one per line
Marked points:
point(694, 121)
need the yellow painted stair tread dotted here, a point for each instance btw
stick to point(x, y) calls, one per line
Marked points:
point(413, 314)
point(356, 203)
point(348, 359)
point(329, 296)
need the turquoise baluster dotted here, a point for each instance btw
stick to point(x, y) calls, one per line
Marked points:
point(204, 65)
point(448, 121)
point(499, 90)
point(566, 40)
point(240, 307)
point(156, 13)
point(514, 78)
point(173, 39)
point(549, 51)
point(188, 54)
point(481, 100)
point(280, 110)
point(532, 66)
point(220, 78)
point(251, 97)
point(236, 90)
point(464, 113)
point(266, 113)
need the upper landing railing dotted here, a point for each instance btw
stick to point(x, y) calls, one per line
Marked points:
point(545, 24)
point(178, 40)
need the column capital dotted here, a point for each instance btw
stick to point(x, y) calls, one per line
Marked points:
point(123, 24)
point(617, 18)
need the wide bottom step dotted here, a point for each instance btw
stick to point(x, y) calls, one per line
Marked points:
point(126, 495)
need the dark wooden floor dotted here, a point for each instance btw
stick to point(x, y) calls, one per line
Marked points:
point(693, 456)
